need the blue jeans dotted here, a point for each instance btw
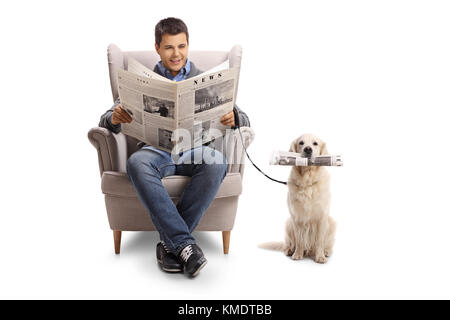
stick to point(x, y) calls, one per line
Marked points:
point(147, 166)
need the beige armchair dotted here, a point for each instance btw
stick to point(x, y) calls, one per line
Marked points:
point(124, 209)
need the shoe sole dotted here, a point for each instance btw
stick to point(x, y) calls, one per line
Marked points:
point(199, 268)
point(167, 269)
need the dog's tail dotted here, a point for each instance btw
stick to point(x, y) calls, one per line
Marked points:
point(276, 246)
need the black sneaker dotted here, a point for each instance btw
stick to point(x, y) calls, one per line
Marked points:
point(193, 259)
point(167, 260)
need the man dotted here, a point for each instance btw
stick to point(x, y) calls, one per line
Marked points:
point(177, 250)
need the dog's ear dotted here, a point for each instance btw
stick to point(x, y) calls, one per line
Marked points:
point(293, 147)
point(323, 149)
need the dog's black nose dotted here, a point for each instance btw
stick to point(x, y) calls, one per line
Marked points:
point(307, 150)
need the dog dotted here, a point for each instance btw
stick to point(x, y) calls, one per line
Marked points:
point(310, 230)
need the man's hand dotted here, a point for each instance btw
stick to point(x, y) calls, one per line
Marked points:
point(120, 116)
point(228, 119)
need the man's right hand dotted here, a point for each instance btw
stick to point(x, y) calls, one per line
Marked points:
point(120, 116)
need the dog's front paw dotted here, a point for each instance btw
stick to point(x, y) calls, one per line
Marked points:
point(320, 259)
point(297, 255)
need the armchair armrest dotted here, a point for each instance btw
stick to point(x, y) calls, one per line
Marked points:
point(111, 149)
point(234, 149)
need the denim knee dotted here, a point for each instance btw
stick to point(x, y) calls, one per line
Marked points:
point(138, 162)
point(219, 167)
point(213, 156)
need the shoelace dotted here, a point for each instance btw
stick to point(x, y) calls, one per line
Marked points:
point(186, 253)
point(165, 248)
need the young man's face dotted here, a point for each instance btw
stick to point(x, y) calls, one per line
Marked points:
point(173, 51)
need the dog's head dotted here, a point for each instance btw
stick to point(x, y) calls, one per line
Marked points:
point(308, 146)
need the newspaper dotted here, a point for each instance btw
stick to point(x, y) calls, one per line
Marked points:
point(285, 158)
point(176, 116)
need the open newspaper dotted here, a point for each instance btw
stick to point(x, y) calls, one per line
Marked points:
point(176, 116)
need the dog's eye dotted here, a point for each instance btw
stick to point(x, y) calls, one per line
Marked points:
point(315, 143)
point(301, 143)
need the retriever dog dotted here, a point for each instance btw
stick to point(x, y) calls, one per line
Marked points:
point(309, 229)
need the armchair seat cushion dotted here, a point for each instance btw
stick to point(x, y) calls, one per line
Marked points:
point(118, 184)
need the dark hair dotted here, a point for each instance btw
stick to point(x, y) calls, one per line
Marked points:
point(171, 26)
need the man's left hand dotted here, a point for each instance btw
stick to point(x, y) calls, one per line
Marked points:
point(228, 119)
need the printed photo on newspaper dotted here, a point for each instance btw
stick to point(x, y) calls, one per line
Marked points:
point(176, 115)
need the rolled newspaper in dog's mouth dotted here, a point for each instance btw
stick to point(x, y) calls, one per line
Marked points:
point(284, 158)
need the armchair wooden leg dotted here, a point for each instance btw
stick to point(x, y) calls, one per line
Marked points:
point(226, 241)
point(117, 238)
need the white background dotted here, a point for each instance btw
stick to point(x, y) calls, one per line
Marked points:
point(371, 78)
